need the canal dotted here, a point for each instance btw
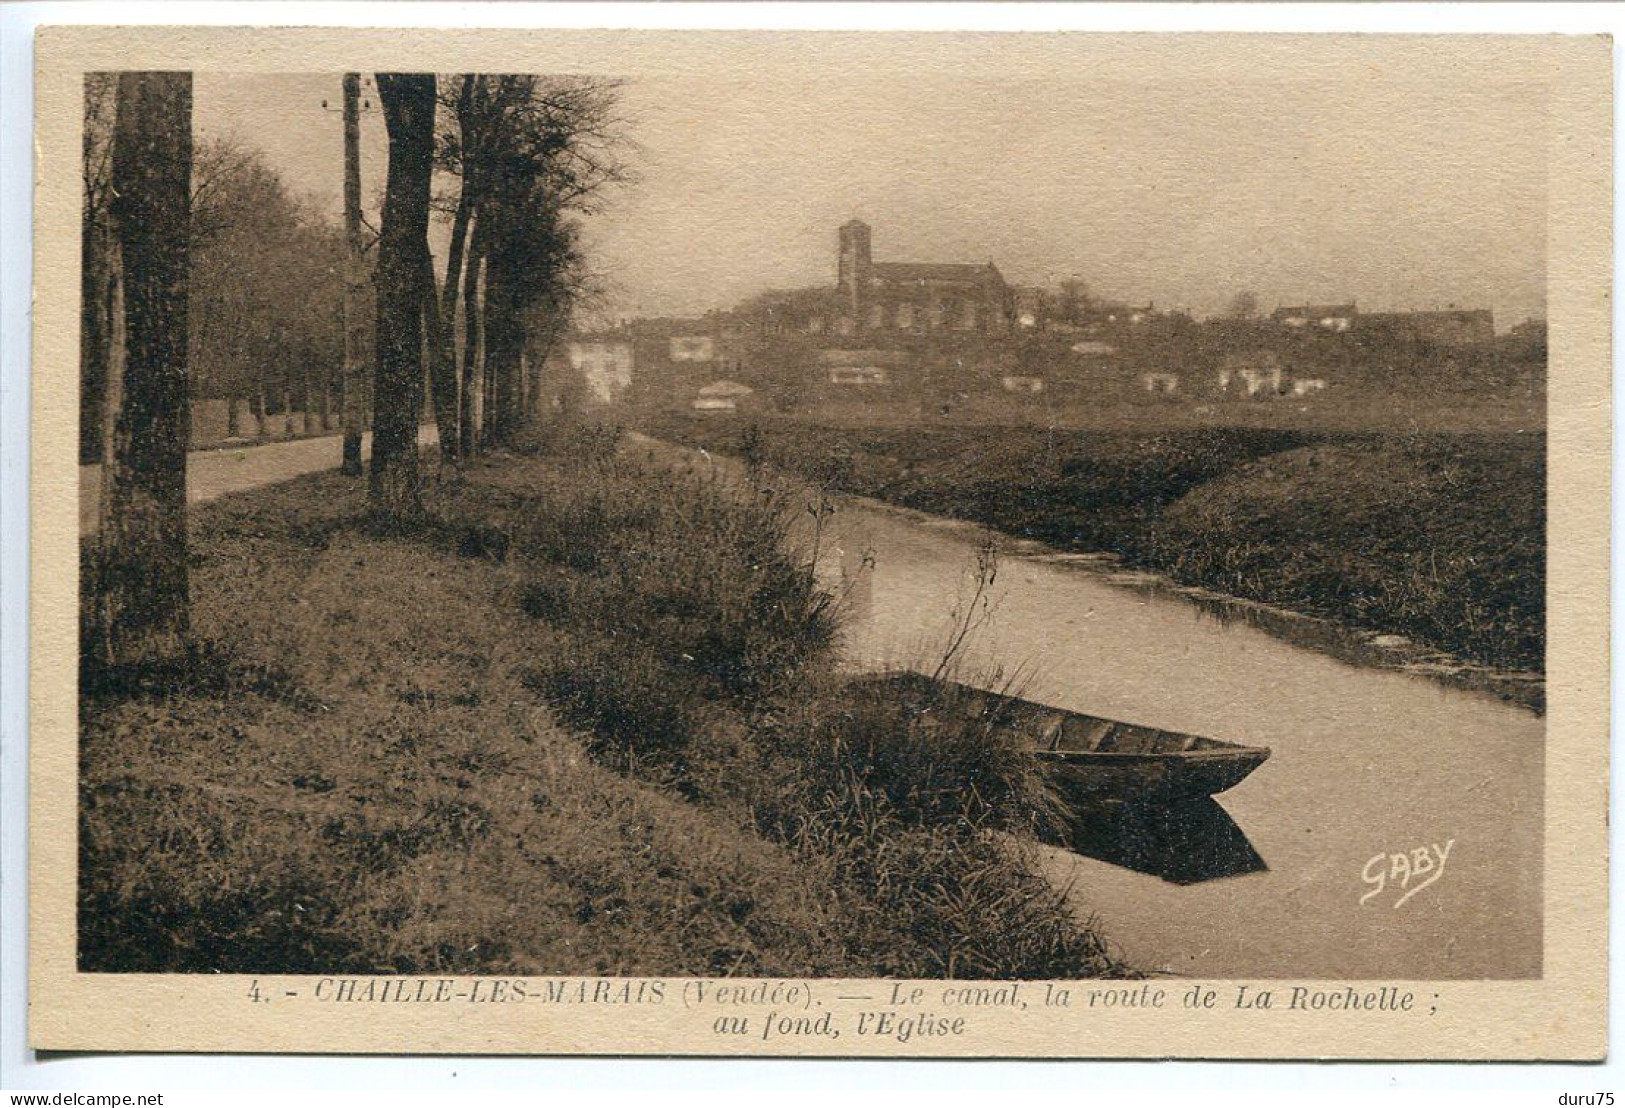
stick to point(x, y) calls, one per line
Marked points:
point(1292, 873)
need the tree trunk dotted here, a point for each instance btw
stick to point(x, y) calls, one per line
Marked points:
point(488, 405)
point(259, 414)
point(327, 403)
point(426, 341)
point(354, 395)
point(539, 343)
point(524, 386)
point(443, 369)
point(306, 407)
point(446, 321)
point(113, 392)
point(234, 416)
point(504, 338)
point(453, 447)
point(408, 100)
point(143, 582)
point(93, 334)
point(468, 425)
point(287, 412)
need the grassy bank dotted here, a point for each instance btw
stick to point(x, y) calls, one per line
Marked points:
point(1439, 537)
point(582, 720)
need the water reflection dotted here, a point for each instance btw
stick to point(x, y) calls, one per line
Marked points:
point(1184, 844)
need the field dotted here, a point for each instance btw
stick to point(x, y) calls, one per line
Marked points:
point(582, 719)
point(1438, 536)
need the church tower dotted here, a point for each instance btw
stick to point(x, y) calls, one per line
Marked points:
point(852, 273)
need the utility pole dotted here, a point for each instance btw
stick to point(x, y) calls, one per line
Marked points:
point(354, 373)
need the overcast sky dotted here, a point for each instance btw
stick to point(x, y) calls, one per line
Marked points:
point(1173, 190)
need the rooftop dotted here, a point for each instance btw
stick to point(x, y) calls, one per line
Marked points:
point(936, 271)
point(1316, 311)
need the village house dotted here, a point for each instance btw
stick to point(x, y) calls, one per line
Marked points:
point(863, 367)
point(1450, 327)
point(693, 348)
point(1253, 374)
point(722, 396)
point(674, 356)
point(1121, 313)
point(1094, 348)
point(1160, 384)
point(859, 375)
point(1327, 317)
point(604, 364)
point(1070, 309)
point(1022, 383)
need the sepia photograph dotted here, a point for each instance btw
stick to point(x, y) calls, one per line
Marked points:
point(1058, 534)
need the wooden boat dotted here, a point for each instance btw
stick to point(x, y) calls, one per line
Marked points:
point(1093, 759)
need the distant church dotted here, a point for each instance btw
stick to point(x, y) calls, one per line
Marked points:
point(917, 296)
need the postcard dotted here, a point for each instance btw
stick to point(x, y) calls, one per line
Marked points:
point(820, 544)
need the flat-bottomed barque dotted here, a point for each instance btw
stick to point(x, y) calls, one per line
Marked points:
point(1093, 759)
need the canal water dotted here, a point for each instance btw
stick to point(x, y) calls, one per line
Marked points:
point(1290, 874)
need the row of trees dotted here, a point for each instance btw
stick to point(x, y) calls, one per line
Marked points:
point(266, 325)
point(528, 155)
point(266, 267)
point(204, 276)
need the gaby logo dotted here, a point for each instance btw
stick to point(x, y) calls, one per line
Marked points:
point(1411, 871)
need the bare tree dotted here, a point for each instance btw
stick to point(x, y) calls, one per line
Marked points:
point(143, 572)
point(409, 107)
point(570, 286)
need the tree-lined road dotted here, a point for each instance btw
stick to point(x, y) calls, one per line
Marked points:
point(213, 473)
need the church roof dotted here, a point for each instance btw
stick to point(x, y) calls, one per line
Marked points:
point(935, 271)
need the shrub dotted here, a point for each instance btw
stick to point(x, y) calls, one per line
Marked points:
point(701, 572)
point(625, 693)
point(569, 438)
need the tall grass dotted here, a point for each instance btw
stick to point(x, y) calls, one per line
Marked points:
point(371, 779)
point(700, 656)
point(396, 800)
